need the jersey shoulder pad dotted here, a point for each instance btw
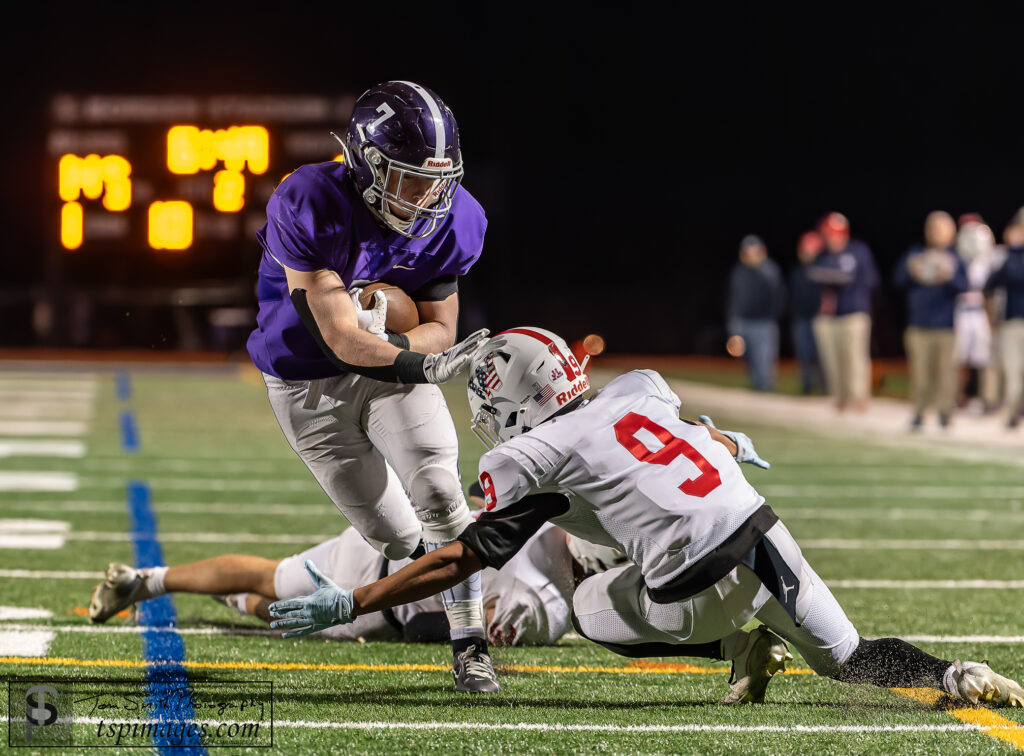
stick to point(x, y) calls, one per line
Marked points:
point(642, 382)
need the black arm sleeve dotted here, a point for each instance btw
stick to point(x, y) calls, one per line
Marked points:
point(437, 290)
point(407, 367)
point(496, 537)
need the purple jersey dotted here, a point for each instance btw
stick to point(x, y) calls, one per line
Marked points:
point(316, 220)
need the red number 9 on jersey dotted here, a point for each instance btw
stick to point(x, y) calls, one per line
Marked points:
point(625, 434)
point(490, 497)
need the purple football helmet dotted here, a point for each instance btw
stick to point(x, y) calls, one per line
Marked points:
point(402, 151)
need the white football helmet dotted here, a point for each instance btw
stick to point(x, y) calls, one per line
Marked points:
point(518, 379)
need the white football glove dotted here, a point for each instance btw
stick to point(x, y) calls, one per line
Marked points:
point(744, 446)
point(444, 366)
point(371, 320)
point(329, 605)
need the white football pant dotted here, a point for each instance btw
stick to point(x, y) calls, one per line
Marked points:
point(614, 607)
point(386, 454)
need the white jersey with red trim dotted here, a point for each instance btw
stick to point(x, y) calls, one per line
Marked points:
point(638, 478)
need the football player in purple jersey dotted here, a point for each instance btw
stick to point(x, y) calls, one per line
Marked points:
point(358, 404)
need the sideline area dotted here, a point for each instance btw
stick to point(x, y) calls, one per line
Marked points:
point(886, 422)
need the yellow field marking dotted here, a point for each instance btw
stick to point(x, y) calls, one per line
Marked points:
point(635, 668)
point(82, 611)
point(994, 725)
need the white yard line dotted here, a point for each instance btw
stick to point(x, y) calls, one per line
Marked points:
point(889, 544)
point(43, 428)
point(882, 513)
point(8, 613)
point(910, 491)
point(14, 480)
point(46, 410)
point(41, 448)
point(50, 575)
point(178, 483)
point(192, 537)
point(190, 508)
point(928, 584)
point(32, 643)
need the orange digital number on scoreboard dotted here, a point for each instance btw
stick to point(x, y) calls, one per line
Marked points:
point(189, 151)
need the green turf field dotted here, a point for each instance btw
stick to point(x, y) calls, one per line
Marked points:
point(222, 479)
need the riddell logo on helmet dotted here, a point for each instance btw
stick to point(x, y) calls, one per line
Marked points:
point(577, 388)
point(435, 163)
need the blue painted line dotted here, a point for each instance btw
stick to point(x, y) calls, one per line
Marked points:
point(124, 385)
point(129, 433)
point(169, 695)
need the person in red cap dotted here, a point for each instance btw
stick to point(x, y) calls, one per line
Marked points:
point(842, 329)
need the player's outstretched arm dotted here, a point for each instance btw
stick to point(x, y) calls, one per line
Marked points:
point(325, 307)
point(333, 605)
point(739, 444)
point(427, 576)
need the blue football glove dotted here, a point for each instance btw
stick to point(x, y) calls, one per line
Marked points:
point(744, 446)
point(329, 605)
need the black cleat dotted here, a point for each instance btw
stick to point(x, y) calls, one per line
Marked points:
point(472, 668)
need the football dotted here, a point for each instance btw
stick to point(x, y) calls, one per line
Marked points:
point(402, 313)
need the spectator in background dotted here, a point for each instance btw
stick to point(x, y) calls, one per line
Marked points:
point(932, 276)
point(978, 387)
point(805, 301)
point(848, 277)
point(1010, 276)
point(756, 299)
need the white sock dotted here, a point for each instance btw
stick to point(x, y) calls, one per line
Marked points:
point(237, 601)
point(463, 603)
point(466, 619)
point(155, 580)
point(949, 683)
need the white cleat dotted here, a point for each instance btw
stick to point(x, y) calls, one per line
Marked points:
point(764, 655)
point(976, 683)
point(122, 587)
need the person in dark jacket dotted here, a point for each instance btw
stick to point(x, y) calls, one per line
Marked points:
point(756, 300)
point(842, 328)
point(1010, 277)
point(804, 303)
point(933, 276)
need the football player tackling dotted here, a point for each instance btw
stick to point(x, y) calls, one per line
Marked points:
point(708, 555)
point(356, 403)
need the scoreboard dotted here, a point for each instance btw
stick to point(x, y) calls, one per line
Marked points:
point(178, 175)
point(152, 204)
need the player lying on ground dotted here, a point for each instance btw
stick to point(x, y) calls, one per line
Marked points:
point(527, 602)
point(622, 470)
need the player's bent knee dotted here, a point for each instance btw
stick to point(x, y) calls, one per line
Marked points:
point(398, 547)
point(440, 504)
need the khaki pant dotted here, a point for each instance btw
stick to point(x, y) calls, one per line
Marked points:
point(931, 363)
point(1011, 347)
point(844, 345)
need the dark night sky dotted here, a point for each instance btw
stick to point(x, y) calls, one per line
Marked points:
point(620, 158)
